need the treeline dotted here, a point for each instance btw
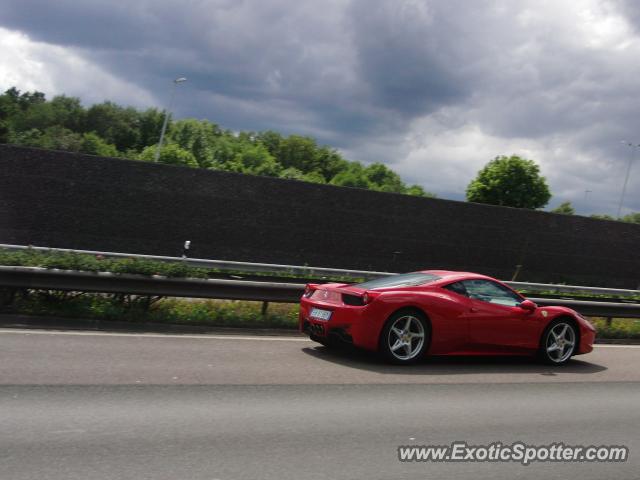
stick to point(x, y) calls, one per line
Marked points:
point(567, 209)
point(110, 130)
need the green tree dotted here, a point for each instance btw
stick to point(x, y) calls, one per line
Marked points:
point(418, 191)
point(35, 116)
point(329, 162)
point(68, 112)
point(602, 216)
point(28, 99)
point(92, 144)
point(115, 124)
point(292, 173)
point(29, 138)
point(197, 136)
point(59, 138)
point(225, 151)
point(5, 131)
point(257, 160)
point(302, 153)
point(170, 154)
point(384, 180)
point(6, 109)
point(511, 182)
point(62, 111)
point(314, 177)
point(52, 138)
point(632, 218)
point(353, 176)
point(271, 140)
point(299, 152)
point(565, 208)
point(22, 101)
point(149, 125)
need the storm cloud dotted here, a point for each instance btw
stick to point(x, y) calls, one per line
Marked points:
point(434, 89)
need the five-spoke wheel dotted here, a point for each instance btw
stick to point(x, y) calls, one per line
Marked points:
point(558, 342)
point(405, 337)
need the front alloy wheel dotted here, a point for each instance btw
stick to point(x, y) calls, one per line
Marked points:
point(559, 343)
point(404, 337)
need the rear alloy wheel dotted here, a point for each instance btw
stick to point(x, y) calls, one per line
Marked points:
point(558, 342)
point(405, 337)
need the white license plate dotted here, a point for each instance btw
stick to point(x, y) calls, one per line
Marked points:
point(320, 314)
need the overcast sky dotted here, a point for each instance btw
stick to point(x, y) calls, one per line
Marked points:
point(433, 89)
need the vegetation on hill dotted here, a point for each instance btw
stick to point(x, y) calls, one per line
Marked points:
point(110, 130)
point(564, 208)
point(631, 218)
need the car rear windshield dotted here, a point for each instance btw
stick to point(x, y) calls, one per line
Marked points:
point(402, 280)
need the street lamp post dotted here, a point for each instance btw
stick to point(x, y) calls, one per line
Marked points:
point(166, 116)
point(626, 178)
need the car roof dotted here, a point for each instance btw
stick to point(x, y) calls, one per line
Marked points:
point(452, 276)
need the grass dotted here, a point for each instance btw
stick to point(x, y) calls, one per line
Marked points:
point(141, 309)
point(619, 328)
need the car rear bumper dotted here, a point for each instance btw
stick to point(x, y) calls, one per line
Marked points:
point(348, 323)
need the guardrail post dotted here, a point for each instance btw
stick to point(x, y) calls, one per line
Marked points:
point(263, 311)
point(609, 322)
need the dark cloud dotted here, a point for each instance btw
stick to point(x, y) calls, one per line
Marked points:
point(404, 57)
point(88, 24)
point(631, 9)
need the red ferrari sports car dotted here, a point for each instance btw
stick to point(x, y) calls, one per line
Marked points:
point(441, 313)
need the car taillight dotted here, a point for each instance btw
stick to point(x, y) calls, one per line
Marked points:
point(308, 291)
point(368, 297)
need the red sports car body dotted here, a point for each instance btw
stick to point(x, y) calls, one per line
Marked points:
point(441, 313)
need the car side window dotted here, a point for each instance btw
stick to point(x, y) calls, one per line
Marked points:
point(457, 287)
point(491, 292)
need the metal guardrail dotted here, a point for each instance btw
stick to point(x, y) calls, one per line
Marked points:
point(593, 309)
point(314, 272)
point(219, 264)
point(104, 282)
point(319, 271)
point(52, 279)
point(544, 287)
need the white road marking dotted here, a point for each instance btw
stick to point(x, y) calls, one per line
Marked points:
point(273, 338)
point(614, 345)
point(155, 335)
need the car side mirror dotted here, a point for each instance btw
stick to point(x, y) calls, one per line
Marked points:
point(528, 305)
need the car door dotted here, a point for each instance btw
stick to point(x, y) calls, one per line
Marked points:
point(496, 323)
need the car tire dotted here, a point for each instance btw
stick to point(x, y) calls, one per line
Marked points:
point(559, 342)
point(405, 337)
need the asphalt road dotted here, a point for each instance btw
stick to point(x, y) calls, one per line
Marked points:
point(77, 405)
